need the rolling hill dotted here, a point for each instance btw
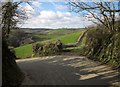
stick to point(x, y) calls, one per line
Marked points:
point(26, 50)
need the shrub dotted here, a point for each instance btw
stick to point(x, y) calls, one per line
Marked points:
point(48, 48)
point(103, 45)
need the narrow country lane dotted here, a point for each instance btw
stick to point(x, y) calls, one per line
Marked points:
point(67, 70)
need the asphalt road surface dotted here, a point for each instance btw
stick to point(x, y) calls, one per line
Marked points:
point(67, 70)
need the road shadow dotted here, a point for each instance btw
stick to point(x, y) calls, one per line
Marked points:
point(69, 70)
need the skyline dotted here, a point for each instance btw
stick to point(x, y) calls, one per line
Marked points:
point(51, 15)
point(54, 15)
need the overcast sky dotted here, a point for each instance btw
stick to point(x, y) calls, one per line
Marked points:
point(51, 15)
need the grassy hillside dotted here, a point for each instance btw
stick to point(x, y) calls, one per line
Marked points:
point(43, 37)
point(62, 31)
point(23, 51)
point(26, 50)
point(70, 38)
point(50, 34)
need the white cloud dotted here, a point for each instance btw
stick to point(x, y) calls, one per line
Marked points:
point(36, 4)
point(27, 9)
point(48, 15)
point(62, 7)
point(51, 19)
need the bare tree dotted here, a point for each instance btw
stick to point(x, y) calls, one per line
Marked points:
point(10, 17)
point(104, 12)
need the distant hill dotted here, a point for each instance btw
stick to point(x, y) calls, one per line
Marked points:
point(49, 30)
point(35, 30)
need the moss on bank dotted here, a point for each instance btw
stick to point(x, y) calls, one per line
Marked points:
point(103, 45)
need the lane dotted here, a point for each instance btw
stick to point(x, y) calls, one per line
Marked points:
point(67, 70)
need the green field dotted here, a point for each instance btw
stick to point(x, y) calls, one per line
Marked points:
point(26, 50)
point(61, 31)
point(52, 34)
point(43, 37)
point(70, 38)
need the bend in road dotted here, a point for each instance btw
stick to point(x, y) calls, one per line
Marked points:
point(67, 70)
